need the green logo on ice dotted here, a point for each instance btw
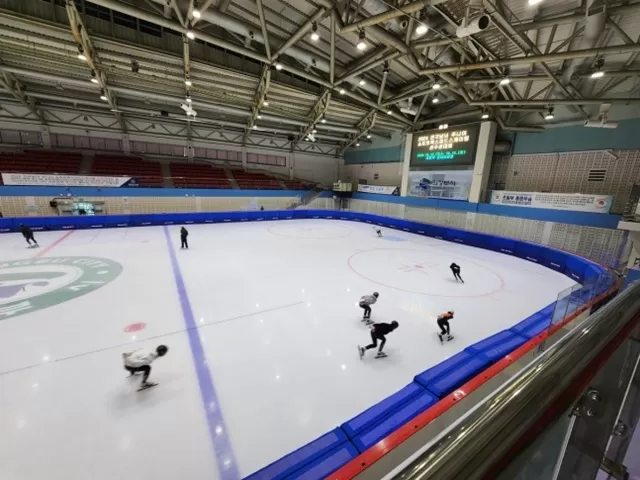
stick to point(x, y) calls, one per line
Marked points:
point(30, 285)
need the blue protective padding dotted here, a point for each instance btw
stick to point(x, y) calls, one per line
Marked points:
point(554, 259)
point(490, 342)
point(530, 252)
point(327, 464)
point(302, 457)
point(391, 423)
point(498, 345)
point(437, 371)
point(575, 268)
point(533, 325)
point(459, 376)
point(380, 410)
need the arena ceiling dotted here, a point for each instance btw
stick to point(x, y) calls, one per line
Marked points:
point(293, 74)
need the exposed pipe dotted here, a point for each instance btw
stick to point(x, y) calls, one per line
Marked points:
point(614, 50)
point(594, 26)
point(390, 14)
point(300, 32)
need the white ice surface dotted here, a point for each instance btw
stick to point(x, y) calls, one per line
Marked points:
point(276, 307)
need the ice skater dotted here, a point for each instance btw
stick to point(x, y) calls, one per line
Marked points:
point(456, 272)
point(139, 361)
point(443, 323)
point(27, 233)
point(184, 233)
point(378, 332)
point(365, 303)
point(378, 231)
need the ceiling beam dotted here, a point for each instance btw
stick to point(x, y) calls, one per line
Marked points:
point(258, 100)
point(390, 14)
point(528, 60)
point(364, 126)
point(557, 101)
point(13, 85)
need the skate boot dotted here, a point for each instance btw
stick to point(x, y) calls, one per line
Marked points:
point(381, 355)
point(449, 338)
point(440, 337)
point(361, 352)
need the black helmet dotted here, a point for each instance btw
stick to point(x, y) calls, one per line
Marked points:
point(162, 350)
point(376, 294)
point(395, 324)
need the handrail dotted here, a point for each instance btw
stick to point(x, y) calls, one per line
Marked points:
point(486, 434)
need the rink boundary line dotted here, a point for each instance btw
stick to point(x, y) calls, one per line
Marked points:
point(50, 247)
point(218, 432)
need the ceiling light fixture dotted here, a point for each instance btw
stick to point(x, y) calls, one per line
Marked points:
point(103, 95)
point(314, 130)
point(422, 28)
point(188, 97)
point(323, 120)
point(259, 117)
point(505, 81)
point(362, 44)
point(549, 115)
point(435, 99)
point(190, 34)
point(94, 79)
point(187, 80)
point(436, 85)
point(81, 55)
point(357, 144)
point(315, 36)
point(278, 66)
point(485, 115)
point(598, 72)
point(196, 11)
point(362, 82)
point(534, 2)
point(265, 102)
point(389, 112)
point(342, 91)
point(368, 135)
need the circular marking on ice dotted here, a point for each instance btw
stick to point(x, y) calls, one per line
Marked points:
point(135, 327)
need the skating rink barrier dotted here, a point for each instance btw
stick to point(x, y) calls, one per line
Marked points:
point(338, 448)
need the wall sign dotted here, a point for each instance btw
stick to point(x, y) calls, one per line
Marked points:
point(554, 201)
point(43, 180)
point(451, 146)
point(379, 189)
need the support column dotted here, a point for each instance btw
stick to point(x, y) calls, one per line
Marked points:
point(45, 135)
point(406, 162)
point(243, 154)
point(482, 164)
point(292, 165)
point(126, 146)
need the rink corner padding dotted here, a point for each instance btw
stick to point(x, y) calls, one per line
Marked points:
point(350, 448)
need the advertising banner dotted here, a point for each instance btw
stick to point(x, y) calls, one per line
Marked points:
point(445, 148)
point(448, 184)
point(554, 201)
point(379, 189)
point(44, 180)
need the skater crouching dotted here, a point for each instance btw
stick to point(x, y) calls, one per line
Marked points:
point(443, 323)
point(365, 303)
point(184, 233)
point(139, 361)
point(456, 272)
point(378, 332)
point(27, 233)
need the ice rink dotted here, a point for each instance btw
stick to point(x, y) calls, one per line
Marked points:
point(261, 321)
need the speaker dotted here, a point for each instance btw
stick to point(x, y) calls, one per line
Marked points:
point(53, 204)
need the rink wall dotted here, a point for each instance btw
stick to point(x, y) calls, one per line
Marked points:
point(350, 447)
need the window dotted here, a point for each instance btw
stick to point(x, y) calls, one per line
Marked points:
point(124, 20)
point(97, 11)
point(150, 28)
point(597, 175)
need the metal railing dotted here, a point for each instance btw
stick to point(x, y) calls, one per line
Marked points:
point(485, 440)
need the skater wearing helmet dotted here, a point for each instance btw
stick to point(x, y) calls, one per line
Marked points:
point(365, 303)
point(139, 361)
point(455, 269)
point(443, 323)
point(378, 332)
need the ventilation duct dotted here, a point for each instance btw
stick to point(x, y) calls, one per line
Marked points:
point(475, 25)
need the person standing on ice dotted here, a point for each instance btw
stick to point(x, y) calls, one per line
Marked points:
point(378, 332)
point(456, 272)
point(365, 303)
point(139, 361)
point(27, 233)
point(184, 233)
point(443, 323)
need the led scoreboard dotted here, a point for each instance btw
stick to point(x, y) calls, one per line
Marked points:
point(448, 147)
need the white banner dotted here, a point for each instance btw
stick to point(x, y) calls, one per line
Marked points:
point(447, 184)
point(43, 180)
point(579, 202)
point(379, 189)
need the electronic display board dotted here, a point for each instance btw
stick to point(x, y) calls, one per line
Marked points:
point(447, 147)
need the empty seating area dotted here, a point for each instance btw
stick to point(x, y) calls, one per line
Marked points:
point(256, 181)
point(147, 173)
point(40, 161)
point(198, 175)
point(296, 185)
